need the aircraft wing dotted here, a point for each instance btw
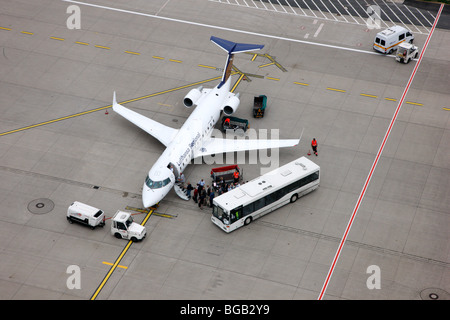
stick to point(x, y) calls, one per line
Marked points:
point(218, 145)
point(161, 132)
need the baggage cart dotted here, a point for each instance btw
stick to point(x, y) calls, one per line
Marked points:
point(259, 106)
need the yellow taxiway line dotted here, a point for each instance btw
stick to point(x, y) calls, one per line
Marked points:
point(106, 107)
point(111, 264)
point(237, 82)
point(368, 95)
point(338, 90)
point(116, 263)
point(111, 270)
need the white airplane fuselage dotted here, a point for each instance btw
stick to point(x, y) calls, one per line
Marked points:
point(179, 153)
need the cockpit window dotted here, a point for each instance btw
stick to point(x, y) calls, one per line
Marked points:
point(156, 184)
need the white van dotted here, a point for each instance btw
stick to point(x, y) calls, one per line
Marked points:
point(85, 214)
point(387, 40)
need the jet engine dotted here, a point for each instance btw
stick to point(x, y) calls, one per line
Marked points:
point(192, 97)
point(231, 104)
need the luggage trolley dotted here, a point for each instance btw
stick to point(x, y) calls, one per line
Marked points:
point(259, 106)
point(235, 125)
point(226, 173)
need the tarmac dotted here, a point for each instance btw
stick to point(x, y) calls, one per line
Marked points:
point(61, 142)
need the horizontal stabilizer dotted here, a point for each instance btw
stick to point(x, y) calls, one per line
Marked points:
point(234, 47)
point(231, 48)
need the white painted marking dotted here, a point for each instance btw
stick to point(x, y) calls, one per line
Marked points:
point(222, 28)
point(318, 30)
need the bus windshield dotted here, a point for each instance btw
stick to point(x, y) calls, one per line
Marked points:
point(220, 214)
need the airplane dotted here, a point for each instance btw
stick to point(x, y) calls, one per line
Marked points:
point(194, 139)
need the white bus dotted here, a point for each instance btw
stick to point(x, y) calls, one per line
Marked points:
point(264, 194)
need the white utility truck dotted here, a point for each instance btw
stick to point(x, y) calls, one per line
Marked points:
point(386, 41)
point(85, 214)
point(123, 227)
point(406, 52)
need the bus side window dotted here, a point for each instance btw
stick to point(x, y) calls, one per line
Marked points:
point(316, 175)
point(260, 203)
point(247, 209)
point(282, 192)
point(401, 37)
point(272, 197)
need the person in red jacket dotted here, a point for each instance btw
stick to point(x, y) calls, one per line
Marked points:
point(236, 176)
point(314, 146)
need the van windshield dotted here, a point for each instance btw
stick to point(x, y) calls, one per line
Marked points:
point(98, 214)
point(129, 221)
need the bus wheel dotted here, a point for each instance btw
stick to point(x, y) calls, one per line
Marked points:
point(248, 220)
point(294, 198)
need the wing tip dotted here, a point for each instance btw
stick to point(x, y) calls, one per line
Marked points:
point(114, 99)
point(115, 105)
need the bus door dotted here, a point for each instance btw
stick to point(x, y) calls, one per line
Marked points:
point(235, 214)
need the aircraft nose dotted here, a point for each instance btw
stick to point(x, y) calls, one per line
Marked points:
point(147, 202)
point(148, 198)
point(151, 197)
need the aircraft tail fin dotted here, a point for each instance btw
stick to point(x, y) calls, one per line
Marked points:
point(231, 48)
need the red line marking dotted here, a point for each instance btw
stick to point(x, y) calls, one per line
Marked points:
point(369, 177)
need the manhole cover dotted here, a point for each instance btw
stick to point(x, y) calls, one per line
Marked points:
point(434, 294)
point(41, 206)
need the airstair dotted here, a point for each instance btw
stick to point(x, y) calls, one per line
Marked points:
point(181, 192)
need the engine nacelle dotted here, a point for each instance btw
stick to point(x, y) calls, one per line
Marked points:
point(192, 97)
point(231, 105)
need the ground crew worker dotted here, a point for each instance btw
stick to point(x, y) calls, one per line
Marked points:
point(226, 123)
point(314, 146)
point(236, 176)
